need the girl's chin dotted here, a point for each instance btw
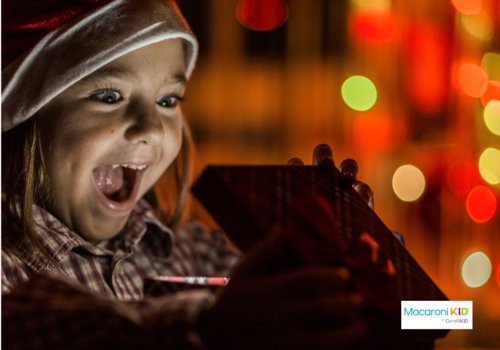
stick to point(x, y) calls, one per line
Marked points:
point(102, 230)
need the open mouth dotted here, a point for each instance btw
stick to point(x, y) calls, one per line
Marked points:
point(118, 183)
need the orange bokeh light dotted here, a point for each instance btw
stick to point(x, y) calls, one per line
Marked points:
point(378, 132)
point(262, 15)
point(481, 204)
point(472, 79)
point(376, 25)
point(462, 177)
point(468, 7)
point(492, 92)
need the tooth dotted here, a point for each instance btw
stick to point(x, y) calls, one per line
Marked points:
point(132, 166)
point(141, 167)
point(124, 165)
point(114, 166)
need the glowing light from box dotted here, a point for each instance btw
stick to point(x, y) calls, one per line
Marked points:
point(480, 25)
point(472, 79)
point(467, 7)
point(462, 177)
point(481, 204)
point(380, 4)
point(492, 92)
point(489, 165)
point(476, 269)
point(262, 15)
point(376, 25)
point(491, 65)
point(408, 183)
point(492, 117)
point(359, 93)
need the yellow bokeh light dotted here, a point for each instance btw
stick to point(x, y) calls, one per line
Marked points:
point(489, 165)
point(480, 25)
point(379, 4)
point(408, 183)
point(492, 116)
point(476, 269)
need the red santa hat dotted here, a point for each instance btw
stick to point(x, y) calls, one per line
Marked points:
point(51, 44)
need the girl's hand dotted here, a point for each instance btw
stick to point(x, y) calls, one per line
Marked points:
point(323, 157)
point(269, 304)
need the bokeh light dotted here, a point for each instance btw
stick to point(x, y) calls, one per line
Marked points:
point(262, 15)
point(476, 270)
point(489, 165)
point(408, 183)
point(377, 132)
point(359, 93)
point(492, 92)
point(376, 25)
point(481, 204)
point(380, 4)
point(472, 79)
point(492, 117)
point(462, 177)
point(427, 48)
point(491, 65)
point(467, 7)
point(498, 275)
point(480, 25)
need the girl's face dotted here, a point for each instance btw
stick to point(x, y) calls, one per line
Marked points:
point(109, 137)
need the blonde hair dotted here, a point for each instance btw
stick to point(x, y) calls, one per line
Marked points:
point(25, 182)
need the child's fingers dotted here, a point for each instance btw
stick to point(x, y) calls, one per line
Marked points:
point(350, 336)
point(338, 309)
point(303, 283)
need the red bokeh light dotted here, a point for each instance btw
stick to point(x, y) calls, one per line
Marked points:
point(377, 133)
point(472, 79)
point(467, 7)
point(492, 92)
point(462, 177)
point(428, 53)
point(262, 15)
point(481, 204)
point(498, 275)
point(377, 26)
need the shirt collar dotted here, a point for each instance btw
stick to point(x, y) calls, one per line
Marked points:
point(58, 239)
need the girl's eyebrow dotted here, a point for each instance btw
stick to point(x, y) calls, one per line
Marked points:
point(179, 78)
point(111, 72)
point(126, 74)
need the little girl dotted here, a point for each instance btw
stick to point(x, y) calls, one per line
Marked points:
point(90, 122)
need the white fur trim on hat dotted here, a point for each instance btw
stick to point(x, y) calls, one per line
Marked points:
point(80, 47)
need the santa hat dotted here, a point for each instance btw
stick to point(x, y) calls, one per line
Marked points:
point(48, 45)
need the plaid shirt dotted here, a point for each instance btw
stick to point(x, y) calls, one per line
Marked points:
point(75, 299)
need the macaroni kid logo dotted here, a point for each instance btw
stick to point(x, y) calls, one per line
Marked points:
point(436, 314)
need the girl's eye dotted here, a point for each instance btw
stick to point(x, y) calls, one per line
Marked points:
point(169, 101)
point(108, 96)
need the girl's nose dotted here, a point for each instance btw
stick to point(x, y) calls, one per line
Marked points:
point(145, 126)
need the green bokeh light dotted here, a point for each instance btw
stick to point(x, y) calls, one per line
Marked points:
point(359, 93)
